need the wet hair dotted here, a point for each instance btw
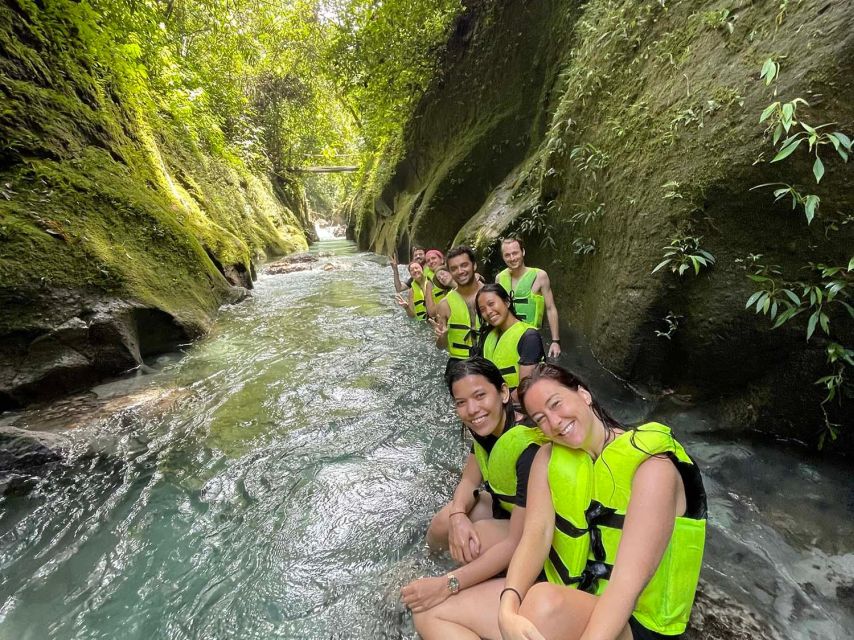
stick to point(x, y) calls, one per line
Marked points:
point(415, 247)
point(510, 239)
point(501, 292)
point(475, 366)
point(567, 379)
point(415, 262)
point(458, 251)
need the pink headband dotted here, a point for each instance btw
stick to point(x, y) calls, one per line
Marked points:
point(435, 252)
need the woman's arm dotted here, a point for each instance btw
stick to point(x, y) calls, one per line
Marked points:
point(533, 548)
point(440, 325)
point(657, 498)
point(463, 541)
point(428, 299)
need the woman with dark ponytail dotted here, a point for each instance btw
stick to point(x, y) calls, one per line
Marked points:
point(480, 528)
point(512, 345)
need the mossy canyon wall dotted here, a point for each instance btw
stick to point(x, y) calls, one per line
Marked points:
point(123, 226)
point(604, 130)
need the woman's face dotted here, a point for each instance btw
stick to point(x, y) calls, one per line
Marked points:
point(492, 308)
point(433, 260)
point(479, 404)
point(445, 278)
point(562, 414)
point(415, 270)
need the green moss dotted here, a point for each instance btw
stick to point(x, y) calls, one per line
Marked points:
point(99, 189)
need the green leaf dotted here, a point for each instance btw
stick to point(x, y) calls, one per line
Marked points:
point(851, 265)
point(660, 265)
point(811, 203)
point(824, 321)
point(792, 296)
point(768, 111)
point(774, 310)
point(809, 129)
point(753, 299)
point(786, 151)
point(769, 71)
point(811, 324)
point(683, 268)
point(696, 264)
point(818, 169)
point(778, 133)
point(845, 140)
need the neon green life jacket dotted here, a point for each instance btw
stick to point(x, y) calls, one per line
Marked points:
point(418, 301)
point(664, 605)
point(571, 487)
point(503, 351)
point(428, 272)
point(438, 292)
point(461, 326)
point(498, 467)
point(529, 306)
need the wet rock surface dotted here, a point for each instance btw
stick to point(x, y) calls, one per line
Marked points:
point(716, 616)
point(291, 264)
point(98, 337)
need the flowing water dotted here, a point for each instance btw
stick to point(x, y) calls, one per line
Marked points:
point(276, 481)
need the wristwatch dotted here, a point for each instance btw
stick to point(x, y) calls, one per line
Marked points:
point(453, 584)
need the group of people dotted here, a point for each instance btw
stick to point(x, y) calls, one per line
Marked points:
point(565, 523)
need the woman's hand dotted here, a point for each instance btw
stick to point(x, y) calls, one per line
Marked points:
point(516, 627)
point(425, 593)
point(463, 541)
point(401, 301)
point(440, 328)
point(393, 260)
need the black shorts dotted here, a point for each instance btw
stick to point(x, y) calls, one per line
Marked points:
point(640, 632)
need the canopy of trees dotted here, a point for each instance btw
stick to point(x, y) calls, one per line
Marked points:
point(284, 82)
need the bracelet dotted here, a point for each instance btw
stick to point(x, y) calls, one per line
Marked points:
point(556, 340)
point(506, 589)
point(456, 513)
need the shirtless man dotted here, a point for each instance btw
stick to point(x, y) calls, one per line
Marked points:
point(531, 290)
point(456, 321)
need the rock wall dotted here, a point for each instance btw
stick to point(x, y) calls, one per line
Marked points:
point(602, 131)
point(121, 229)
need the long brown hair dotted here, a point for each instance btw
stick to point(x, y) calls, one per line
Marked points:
point(565, 378)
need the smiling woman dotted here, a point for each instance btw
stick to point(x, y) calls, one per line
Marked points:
point(645, 509)
point(480, 528)
point(515, 347)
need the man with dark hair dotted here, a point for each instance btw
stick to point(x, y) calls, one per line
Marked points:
point(417, 256)
point(456, 321)
point(531, 290)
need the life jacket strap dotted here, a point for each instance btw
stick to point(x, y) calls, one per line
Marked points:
point(593, 572)
point(561, 569)
point(565, 526)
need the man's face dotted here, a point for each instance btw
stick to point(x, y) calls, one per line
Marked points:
point(418, 256)
point(513, 254)
point(462, 269)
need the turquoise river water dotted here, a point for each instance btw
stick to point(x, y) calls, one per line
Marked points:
point(276, 481)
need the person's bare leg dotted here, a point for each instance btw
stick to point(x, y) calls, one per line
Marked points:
point(491, 532)
point(469, 615)
point(437, 533)
point(561, 613)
